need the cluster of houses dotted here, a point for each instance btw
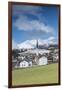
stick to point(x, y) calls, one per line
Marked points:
point(35, 57)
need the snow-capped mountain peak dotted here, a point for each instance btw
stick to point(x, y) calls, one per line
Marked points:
point(31, 44)
point(27, 44)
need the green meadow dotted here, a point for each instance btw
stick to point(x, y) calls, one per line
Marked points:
point(35, 75)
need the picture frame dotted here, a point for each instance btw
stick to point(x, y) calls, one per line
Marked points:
point(31, 18)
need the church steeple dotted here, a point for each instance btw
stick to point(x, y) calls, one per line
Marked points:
point(37, 44)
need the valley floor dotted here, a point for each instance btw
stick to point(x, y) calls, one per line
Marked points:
point(35, 75)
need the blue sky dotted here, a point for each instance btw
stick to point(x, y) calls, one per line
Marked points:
point(34, 22)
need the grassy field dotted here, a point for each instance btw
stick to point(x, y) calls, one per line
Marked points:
point(36, 75)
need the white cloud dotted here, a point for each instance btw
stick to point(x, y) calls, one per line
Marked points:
point(51, 38)
point(23, 23)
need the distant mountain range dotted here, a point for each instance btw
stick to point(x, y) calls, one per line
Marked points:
point(28, 44)
point(32, 44)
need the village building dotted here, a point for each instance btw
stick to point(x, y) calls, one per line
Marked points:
point(43, 60)
point(33, 57)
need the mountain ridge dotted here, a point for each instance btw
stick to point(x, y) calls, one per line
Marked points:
point(32, 44)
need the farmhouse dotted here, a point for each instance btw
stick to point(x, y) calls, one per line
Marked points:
point(43, 60)
point(26, 62)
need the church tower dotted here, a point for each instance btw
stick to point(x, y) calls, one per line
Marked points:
point(37, 44)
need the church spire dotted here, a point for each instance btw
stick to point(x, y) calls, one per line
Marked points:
point(37, 44)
